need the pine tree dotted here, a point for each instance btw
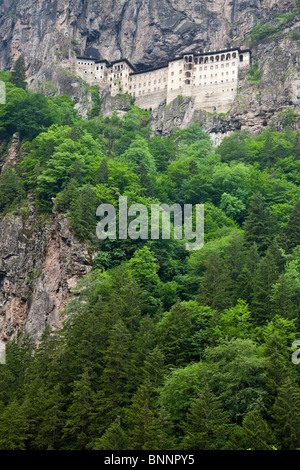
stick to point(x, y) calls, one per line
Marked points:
point(281, 299)
point(14, 427)
point(79, 413)
point(116, 377)
point(83, 213)
point(266, 276)
point(9, 189)
point(205, 428)
point(18, 75)
point(148, 427)
point(254, 434)
point(296, 146)
point(286, 414)
point(102, 173)
point(216, 285)
point(244, 286)
point(114, 438)
point(292, 231)
point(278, 364)
point(260, 226)
point(49, 431)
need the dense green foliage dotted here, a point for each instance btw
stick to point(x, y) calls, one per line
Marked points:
point(275, 26)
point(161, 348)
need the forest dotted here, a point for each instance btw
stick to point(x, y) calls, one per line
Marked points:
point(161, 348)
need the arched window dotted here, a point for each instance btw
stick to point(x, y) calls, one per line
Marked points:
point(228, 57)
point(212, 59)
point(191, 58)
point(234, 55)
point(187, 74)
point(241, 58)
point(196, 60)
point(206, 60)
point(201, 60)
point(186, 59)
point(188, 82)
point(222, 57)
point(217, 58)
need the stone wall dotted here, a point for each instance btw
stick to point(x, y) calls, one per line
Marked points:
point(211, 79)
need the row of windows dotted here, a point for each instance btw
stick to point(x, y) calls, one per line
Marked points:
point(187, 82)
point(140, 93)
point(149, 83)
point(150, 90)
point(141, 77)
point(189, 75)
point(216, 58)
point(85, 63)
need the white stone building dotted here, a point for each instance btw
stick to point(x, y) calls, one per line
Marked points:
point(211, 78)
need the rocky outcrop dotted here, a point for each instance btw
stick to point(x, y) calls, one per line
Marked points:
point(40, 262)
point(145, 31)
point(148, 33)
point(259, 101)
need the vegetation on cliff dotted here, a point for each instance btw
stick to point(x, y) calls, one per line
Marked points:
point(162, 348)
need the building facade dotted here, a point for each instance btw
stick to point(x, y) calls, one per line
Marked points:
point(211, 78)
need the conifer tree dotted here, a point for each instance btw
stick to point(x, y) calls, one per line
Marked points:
point(281, 299)
point(9, 189)
point(14, 427)
point(260, 226)
point(292, 231)
point(148, 427)
point(83, 213)
point(79, 413)
point(216, 285)
point(254, 434)
point(102, 173)
point(18, 75)
point(266, 276)
point(244, 286)
point(286, 414)
point(205, 428)
point(114, 438)
point(116, 377)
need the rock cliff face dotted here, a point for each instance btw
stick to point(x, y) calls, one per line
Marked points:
point(144, 31)
point(257, 103)
point(40, 262)
point(148, 32)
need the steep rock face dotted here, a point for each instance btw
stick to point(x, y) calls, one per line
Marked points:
point(149, 32)
point(257, 103)
point(144, 31)
point(40, 262)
